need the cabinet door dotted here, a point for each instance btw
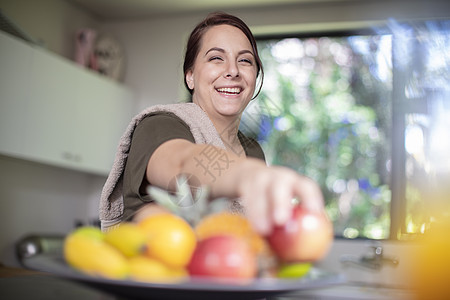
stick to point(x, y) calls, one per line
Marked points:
point(56, 112)
point(51, 110)
point(14, 93)
point(104, 111)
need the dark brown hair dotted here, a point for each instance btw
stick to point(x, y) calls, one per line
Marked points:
point(195, 39)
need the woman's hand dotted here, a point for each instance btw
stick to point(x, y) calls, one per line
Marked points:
point(267, 193)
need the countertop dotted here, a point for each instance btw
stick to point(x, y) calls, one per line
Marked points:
point(23, 284)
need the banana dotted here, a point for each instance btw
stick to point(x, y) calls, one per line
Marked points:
point(143, 268)
point(89, 231)
point(128, 238)
point(90, 254)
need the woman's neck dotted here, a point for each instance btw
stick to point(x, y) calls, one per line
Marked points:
point(228, 132)
point(227, 127)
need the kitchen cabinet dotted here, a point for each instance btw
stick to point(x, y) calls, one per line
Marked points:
point(56, 112)
point(15, 60)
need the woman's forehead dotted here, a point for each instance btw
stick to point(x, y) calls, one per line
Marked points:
point(225, 36)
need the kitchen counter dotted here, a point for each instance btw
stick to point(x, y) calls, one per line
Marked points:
point(22, 284)
point(351, 292)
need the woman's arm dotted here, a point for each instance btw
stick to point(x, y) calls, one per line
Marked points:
point(265, 192)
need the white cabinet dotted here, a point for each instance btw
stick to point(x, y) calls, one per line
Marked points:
point(56, 112)
point(15, 60)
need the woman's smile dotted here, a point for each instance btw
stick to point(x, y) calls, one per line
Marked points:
point(229, 91)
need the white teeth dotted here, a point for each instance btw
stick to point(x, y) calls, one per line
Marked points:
point(229, 90)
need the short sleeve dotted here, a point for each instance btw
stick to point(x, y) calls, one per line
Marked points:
point(251, 147)
point(149, 134)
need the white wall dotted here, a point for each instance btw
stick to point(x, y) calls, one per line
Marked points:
point(53, 23)
point(41, 199)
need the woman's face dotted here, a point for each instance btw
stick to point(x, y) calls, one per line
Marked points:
point(223, 77)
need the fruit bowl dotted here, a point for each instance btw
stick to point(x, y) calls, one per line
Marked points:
point(193, 288)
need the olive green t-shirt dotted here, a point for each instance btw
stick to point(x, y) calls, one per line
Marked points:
point(149, 134)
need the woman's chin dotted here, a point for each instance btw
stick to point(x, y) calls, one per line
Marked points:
point(230, 107)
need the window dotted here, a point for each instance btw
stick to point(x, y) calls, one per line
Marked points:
point(367, 116)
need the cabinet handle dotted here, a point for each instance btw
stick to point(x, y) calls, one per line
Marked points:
point(72, 157)
point(67, 155)
point(77, 158)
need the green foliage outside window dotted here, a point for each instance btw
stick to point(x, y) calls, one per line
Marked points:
point(325, 111)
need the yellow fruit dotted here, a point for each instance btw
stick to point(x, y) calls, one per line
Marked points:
point(128, 238)
point(431, 262)
point(229, 223)
point(294, 270)
point(171, 239)
point(89, 231)
point(180, 273)
point(147, 269)
point(93, 256)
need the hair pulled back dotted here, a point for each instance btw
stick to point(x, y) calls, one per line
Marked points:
point(195, 39)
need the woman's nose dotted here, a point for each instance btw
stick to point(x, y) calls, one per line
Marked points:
point(232, 70)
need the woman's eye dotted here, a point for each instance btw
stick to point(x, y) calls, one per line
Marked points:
point(246, 61)
point(215, 58)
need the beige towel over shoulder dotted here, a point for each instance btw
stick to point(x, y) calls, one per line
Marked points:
point(203, 130)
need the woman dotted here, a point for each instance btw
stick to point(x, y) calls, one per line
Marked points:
point(221, 69)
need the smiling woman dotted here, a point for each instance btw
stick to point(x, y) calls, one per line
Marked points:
point(202, 139)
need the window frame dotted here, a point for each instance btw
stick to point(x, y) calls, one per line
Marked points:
point(400, 108)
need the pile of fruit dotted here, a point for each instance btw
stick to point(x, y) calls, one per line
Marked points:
point(222, 245)
point(199, 238)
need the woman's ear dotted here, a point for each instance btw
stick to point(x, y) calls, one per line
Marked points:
point(190, 79)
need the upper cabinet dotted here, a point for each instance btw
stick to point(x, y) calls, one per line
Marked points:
point(55, 112)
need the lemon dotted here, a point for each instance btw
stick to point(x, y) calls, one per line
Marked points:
point(295, 270)
point(128, 238)
point(91, 255)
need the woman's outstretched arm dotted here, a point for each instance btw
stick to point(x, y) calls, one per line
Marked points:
point(265, 192)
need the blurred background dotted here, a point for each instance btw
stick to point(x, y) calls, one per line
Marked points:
point(356, 96)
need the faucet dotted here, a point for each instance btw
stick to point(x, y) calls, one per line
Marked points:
point(373, 260)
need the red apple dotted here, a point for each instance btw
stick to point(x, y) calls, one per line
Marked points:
point(223, 256)
point(305, 237)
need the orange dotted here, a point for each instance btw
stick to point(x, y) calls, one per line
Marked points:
point(431, 262)
point(171, 240)
point(229, 223)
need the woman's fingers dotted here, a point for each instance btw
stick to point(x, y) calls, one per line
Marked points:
point(281, 204)
point(256, 204)
point(309, 194)
point(268, 197)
